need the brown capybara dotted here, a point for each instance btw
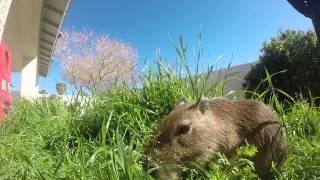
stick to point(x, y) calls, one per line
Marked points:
point(195, 132)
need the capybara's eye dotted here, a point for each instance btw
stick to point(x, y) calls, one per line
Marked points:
point(183, 129)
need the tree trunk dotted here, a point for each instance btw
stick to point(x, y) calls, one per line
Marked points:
point(310, 9)
point(316, 25)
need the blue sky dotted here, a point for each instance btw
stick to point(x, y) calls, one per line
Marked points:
point(234, 29)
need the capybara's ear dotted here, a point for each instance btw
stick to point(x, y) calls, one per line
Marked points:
point(182, 100)
point(203, 104)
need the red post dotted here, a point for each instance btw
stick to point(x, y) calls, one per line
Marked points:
point(5, 80)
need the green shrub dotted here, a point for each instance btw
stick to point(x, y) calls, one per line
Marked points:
point(296, 55)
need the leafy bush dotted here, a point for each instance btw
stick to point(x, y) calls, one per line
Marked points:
point(296, 55)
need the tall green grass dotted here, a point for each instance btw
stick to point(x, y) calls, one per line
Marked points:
point(49, 139)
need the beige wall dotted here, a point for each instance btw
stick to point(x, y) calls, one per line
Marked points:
point(21, 33)
point(4, 10)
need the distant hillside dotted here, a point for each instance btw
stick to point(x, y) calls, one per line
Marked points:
point(235, 76)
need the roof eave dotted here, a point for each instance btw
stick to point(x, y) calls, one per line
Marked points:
point(52, 16)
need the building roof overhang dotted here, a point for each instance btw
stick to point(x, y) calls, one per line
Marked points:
point(52, 16)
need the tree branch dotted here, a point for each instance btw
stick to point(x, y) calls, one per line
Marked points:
point(310, 9)
point(300, 6)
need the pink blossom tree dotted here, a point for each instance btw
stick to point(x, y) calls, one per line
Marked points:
point(95, 61)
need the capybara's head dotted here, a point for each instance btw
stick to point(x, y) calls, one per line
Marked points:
point(185, 135)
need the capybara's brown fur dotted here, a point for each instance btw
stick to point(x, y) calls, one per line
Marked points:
point(195, 132)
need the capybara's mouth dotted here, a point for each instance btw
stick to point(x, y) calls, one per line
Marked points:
point(150, 168)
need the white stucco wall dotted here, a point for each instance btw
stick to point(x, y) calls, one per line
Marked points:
point(4, 10)
point(29, 78)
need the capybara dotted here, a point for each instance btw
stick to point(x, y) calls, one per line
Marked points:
point(195, 132)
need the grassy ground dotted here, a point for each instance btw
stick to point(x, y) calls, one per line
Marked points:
point(48, 139)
